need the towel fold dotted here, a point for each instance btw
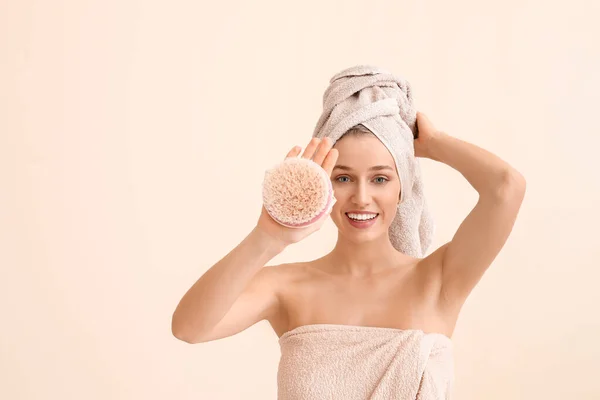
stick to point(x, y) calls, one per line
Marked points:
point(348, 362)
point(383, 103)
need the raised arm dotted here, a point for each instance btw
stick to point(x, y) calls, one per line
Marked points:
point(232, 295)
point(484, 231)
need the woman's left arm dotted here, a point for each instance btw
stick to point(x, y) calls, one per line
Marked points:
point(483, 233)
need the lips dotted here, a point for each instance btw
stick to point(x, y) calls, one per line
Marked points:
point(363, 213)
point(362, 224)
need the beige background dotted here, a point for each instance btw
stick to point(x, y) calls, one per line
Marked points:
point(134, 138)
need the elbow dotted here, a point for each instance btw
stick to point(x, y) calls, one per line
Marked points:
point(184, 337)
point(179, 332)
point(512, 186)
point(516, 182)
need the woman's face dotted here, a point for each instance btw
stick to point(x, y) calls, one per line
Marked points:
point(364, 179)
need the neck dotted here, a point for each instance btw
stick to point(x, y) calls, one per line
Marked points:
point(359, 259)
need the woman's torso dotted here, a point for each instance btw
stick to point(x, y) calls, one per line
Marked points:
point(401, 296)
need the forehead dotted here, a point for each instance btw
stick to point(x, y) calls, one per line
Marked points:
point(362, 152)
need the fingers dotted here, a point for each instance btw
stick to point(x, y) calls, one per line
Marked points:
point(309, 152)
point(330, 161)
point(324, 146)
point(293, 152)
point(320, 151)
point(424, 122)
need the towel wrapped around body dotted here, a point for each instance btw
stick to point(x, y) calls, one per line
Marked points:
point(350, 362)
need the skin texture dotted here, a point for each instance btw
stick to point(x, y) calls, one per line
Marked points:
point(364, 280)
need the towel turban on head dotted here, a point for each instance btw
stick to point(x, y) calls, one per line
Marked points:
point(383, 103)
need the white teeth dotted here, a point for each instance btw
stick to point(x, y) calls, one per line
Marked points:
point(361, 217)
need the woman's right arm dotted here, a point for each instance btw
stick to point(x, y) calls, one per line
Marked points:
point(237, 292)
point(232, 295)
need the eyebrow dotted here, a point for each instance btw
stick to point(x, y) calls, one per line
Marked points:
point(375, 168)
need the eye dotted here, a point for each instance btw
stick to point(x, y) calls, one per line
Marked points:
point(379, 177)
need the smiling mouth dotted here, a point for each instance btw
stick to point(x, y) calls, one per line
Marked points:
point(362, 220)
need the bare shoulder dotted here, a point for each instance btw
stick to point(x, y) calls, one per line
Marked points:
point(295, 268)
point(279, 278)
point(282, 271)
point(282, 279)
point(286, 273)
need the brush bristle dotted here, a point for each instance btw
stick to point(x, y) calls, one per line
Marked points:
point(296, 192)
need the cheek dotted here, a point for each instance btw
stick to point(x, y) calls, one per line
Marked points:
point(391, 194)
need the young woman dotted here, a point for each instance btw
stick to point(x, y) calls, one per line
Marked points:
point(364, 281)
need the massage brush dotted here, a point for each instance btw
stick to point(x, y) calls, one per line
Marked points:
point(297, 192)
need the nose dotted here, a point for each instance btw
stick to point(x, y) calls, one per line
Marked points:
point(361, 196)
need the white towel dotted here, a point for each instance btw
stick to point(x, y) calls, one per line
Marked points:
point(349, 362)
point(383, 103)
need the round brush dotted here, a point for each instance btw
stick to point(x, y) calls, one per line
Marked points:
point(297, 192)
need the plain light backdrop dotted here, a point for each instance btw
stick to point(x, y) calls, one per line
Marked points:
point(134, 136)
